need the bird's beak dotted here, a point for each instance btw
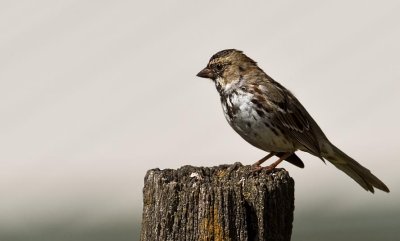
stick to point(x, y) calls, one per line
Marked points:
point(206, 73)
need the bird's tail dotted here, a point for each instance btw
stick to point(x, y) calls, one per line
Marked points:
point(353, 169)
point(293, 159)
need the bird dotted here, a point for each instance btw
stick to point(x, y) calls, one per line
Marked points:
point(271, 118)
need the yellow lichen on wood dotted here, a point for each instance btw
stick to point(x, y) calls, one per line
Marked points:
point(211, 228)
point(221, 173)
point(218, 231)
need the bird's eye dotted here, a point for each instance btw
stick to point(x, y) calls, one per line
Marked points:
point(219, 67)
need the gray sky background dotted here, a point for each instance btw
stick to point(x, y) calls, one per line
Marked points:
point(93, 94)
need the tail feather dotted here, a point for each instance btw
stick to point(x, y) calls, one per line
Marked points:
point(293, 159)
point(353, 169)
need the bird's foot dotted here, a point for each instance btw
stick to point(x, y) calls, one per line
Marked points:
point(256, 168)
point(269, 168)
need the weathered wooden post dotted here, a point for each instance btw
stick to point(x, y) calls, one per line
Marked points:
point(227, 202)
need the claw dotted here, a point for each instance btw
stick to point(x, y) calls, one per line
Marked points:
point(256, 168)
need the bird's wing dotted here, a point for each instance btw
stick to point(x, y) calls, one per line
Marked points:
point(292, 118)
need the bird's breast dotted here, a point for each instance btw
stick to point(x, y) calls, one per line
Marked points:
point(252, 123)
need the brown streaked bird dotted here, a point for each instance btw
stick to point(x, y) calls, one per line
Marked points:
point(269, 117)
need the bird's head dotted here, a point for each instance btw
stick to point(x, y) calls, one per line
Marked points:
point(227, 66)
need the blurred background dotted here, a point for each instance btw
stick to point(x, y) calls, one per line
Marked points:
point(93, 94)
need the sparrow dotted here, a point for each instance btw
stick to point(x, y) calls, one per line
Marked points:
point(269, 117)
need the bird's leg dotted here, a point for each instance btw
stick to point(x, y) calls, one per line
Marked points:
point(257, 165)
point(276, 163)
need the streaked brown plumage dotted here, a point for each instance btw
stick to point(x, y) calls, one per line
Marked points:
point(271, 118)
